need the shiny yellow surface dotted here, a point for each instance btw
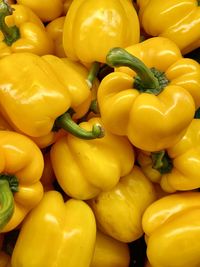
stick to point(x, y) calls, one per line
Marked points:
point(185, 156)
point(73, 76)
point(4, 259)
point(33, 36)
point(92, 28)
point(151, 122)
point(119, 211)
point(56, 234)
point(84, 168)
point(110, 252)
point(46, 10)
point(28, 96)
point(172, 226)
point(178, 20)
point(55, 31)
point(22, 158)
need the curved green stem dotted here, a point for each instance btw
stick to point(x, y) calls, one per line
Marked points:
point(11, 34)
point(65, 121)
point(93, 72)
point(161, 162)
point(6, 203)
point(118, 57)
point(94, 107)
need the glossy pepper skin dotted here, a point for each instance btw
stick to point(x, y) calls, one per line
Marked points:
point(110, 252)
point(171, 226)
point(177, 20)
point(181, 169)
point(46, 10)
point(70, 225)
point(84, 168)
point(43, 88)
point(92, 28)
point(22, 31)
point(119, 211)
point(20, 171)
point(131, 106)
point(55, 31)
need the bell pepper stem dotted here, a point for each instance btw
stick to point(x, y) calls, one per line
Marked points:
point(6, 203)
point(93, 72)
point(198, 2)
point(65, 121)
point(118, 57)
point(11, 34)
point(94, 107)
point(161, 162)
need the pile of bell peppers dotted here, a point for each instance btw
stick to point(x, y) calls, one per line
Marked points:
point(99, 133)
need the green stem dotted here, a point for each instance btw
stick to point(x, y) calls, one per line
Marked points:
point(198, 2)
point(11, 34)
point(93, 72)
point(6, 203)
point(65, 121)
point(161, 162)
point(118, 57)
point(94, 107)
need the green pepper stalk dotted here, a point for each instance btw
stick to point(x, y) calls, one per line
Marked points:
point(8, 185)
point(11, 34)
point(65, 122)
point(93, 72)
point(147, 80)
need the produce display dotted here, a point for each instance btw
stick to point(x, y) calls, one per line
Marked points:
point(99, 133)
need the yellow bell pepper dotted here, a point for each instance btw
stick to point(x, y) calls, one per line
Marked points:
point(171, 225)
point(146, 100)
point(119, 211)
point(4, 259)
point(178, 20)
point(55, 31)
point(177, 168)
point(22, 31)
point(92, 28)
point(56, 233)
point(37, 97)
point(21, 167)
point(110, 252)
point(84, 168)
point(46, 10)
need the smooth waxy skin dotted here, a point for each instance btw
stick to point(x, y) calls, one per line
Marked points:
point(151, 122)
point(110, 252)
point(46, 10)
point(48, 87)
point(55, 31)
point(64, 233)
point(172, 224)
point(177, 20)
point(33, 36)
point(119, 211)
point(91, 28)
point(21, 157)
point(85, 168)
point(185, 156)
